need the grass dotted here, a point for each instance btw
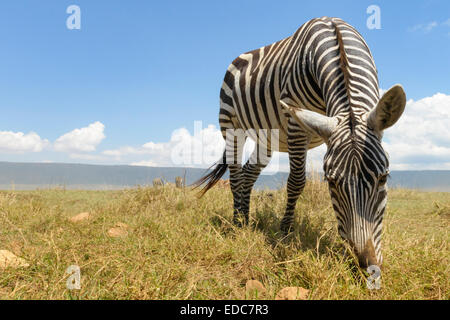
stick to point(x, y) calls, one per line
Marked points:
point(180, 247)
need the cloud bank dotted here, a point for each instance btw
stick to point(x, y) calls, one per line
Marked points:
point(419, 141)
point(421, 138)
point(81, 140)
point(19, 142)
point(78, 140)
point(428, 27)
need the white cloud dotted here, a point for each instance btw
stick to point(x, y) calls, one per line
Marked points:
point(183, 149)
point(425, 28)
point(144, 164)
point(314, 161)
point(18, 142)
point(428, 27)
point(81, 140)
point(421, 138)
point(85, 156)
point(123, 151)
point(200, 150)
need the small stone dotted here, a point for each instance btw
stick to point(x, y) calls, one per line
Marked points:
point(80, 217)
point(9, 259)
point(122, 225)
point(254, 288)
point(292, 293)
point(120, 230)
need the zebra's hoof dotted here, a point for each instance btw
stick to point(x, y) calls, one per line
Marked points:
point(286, 229)
point(240, 221)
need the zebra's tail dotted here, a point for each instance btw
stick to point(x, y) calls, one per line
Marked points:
point(220, 168)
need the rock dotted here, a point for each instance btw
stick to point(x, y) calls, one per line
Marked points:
point(80, 217)
point(292, 293)
point(120, 230)
point(9, 259)
point(254, 288)
point(117, 232)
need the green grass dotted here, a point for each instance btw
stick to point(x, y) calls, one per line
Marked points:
point(181, 247)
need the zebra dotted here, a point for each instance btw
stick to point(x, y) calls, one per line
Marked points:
point(319, 85)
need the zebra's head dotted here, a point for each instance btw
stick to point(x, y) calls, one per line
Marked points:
point(356, 168)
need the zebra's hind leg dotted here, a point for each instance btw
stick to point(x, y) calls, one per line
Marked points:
point(298, 146)
point(251, 170)
point(235, 140)
point(236, 181)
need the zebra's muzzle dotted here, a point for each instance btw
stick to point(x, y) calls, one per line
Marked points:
point(367, 256)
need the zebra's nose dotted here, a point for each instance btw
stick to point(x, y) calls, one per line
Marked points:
point(367, 257)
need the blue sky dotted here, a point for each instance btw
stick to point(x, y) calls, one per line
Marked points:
point(143, 69)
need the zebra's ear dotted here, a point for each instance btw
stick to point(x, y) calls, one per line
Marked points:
point(311, 121)
point(388, 110)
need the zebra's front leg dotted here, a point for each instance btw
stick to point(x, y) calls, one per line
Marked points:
point(250, 172)
point(298, 146)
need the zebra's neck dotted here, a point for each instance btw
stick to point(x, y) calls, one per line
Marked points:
point(341, 68)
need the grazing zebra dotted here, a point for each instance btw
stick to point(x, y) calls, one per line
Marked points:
point(317, 86)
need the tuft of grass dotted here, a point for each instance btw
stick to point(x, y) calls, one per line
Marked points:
point(181, 247)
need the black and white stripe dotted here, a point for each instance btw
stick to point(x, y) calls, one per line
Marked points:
point(319, 85)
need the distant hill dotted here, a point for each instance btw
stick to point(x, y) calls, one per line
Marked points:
point(433, 180)
point(24, 176)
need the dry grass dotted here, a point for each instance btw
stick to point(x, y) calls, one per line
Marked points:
point(179, 247)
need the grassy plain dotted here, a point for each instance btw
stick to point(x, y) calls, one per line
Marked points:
point(181, 247)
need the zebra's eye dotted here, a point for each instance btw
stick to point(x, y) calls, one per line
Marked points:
point(383, 179)
point(330, 180)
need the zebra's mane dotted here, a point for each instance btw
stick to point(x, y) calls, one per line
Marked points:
point(345, 71)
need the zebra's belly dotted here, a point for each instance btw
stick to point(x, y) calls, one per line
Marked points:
point(267, 131)
point(273, 136)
